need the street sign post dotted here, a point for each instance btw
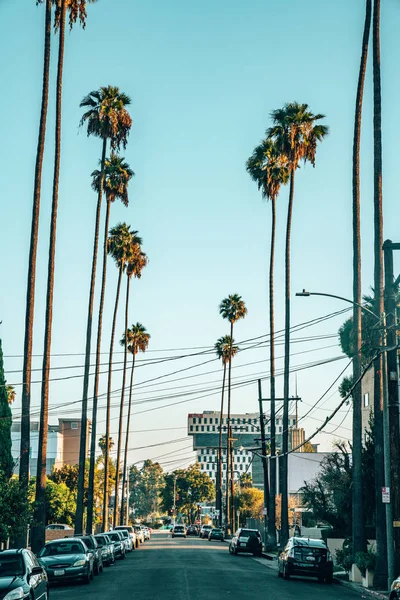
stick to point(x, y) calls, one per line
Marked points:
point(386, 495)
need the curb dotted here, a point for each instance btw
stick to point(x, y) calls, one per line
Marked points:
point(356, 587)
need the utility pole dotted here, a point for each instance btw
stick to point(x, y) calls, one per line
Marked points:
point(127, 496)
point(392, 388)
point(264, 463)
point(174, 499)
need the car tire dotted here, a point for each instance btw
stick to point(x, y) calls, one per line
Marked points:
point(286, 574)
point(96, 569)
point(329, 579)
point(321, 579)
point(87, 579)
point(280, 574)
point(101, 569)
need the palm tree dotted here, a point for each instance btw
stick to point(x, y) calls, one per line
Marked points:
point(136, 339)
point(121, 245)
point(30, 294)
point(38, 531)
point(225, 350)
point(114, 182)
point(358, 519)
point(136, 261)
point(11, 393)
point(108, 119)
point(270, 170)
point(232, 309)
point(296, 134)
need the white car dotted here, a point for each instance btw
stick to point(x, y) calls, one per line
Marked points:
point(59, 526)
point(179, 531)
point(146, 532)
point(132, 534)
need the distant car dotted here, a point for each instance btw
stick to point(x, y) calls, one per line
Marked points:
point(204, 531)
point(22, 576)
point(146, 532)
point(246, 540)
point(68, 559)
point(139, 533)
point(92, 544)
point(395, 589)
point(304, 556)
point(59, 526)
point(178, 531)
point(216, 534)
point(107, 548)
point(118, 541)
point(131, 531)
point(191, 530)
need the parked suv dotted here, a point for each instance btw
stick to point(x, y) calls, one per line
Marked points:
point(178, 531)
point(302, 556)
point(92, 544)
point(139, 533)
point(246, 540)
point(204, 531)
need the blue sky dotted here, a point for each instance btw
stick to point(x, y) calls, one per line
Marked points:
point(203, 78)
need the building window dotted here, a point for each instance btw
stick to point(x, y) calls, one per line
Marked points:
point(211, 421)
point(191, 428)
point(74, 425)
point(205, 421)
point(197, 427)
point(208, 428)
point(213, 427)
point(216, 421)
point(202, 428)
point(194, 421)
point(366, 400)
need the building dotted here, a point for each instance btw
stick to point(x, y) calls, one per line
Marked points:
point(204, 428)
point(62, 444)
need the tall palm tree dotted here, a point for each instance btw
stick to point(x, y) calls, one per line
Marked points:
point(232, 309)
point(38, 531)
point(381, 559)
point(114, 180)
point(269, 168)
point(136, 339)
point(108, 119)
point(121, 244)
point(225, 350)
point(296, 133)
point(358, 519)
point(136, 261)
point(30, 293)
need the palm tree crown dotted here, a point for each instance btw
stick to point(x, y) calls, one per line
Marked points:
point(117, 175)
point(269, 168)
point(233, 308)
point(225, 349)
point(295, 132)
point(136, 338)
point(76, 9)
point(136, 263)
point(107, 117)
point(123, 244)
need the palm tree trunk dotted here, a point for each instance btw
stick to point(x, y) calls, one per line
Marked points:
point(285, 424)
point(121, 408)
point(381, 559)
point(38, 531)
point(220, 450)
point(272, 462)
point(83, 438)
point(30, 294)
point(108, 410)
point(228, 443)
point(89, 525)
point(128, 424)
point(358, 518)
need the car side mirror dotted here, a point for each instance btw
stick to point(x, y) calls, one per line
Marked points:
point(36, 571)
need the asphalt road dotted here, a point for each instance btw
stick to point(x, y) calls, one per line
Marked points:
point(194, 569)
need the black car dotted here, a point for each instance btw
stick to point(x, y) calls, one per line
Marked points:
point(246, 540)
point(67, 559)
point(191, 530)
point(216, 534)
point(91, 542)
point(118, 541)
point(302, 556)
point(21, 576)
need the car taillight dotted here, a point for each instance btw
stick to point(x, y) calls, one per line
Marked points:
point(291, 553)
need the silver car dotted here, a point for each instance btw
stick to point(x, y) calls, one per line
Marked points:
point(131, 531)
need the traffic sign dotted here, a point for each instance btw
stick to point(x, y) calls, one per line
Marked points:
point(386, 495)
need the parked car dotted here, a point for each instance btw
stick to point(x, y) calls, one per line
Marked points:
point(139, 533)
point(178, 531)
point(22, 576)
point(304, 556)
point(107, 548)
point(146, 532)
point(126, 539)
point(395, 589)
point(68, 559)
point(118, 541)
point(131, 531)
point(204, 531)
point(246, 540)
point(192, 530)
point(91, 542)
point(59, 526)
point(216, 534)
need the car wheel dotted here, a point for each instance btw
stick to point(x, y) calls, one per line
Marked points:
point(279, 572)
point(87, 577)
point(286, 574)
point(101, 569)
point(230, 549)
point(321, 579)
point(329, 579)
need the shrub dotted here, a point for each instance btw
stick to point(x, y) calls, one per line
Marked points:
point(365, 560)
point(344, 557)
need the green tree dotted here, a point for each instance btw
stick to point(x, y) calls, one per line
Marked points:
point(269, 168)
point(192, 487)
point(145, 485)
point(136, 339)
point(15, 510)
point(122, 244)
point(6, 459)
point(30, 294)
point(232, 309)
point(225, 350)
point(108, 119)
point(296, 133)
point(250, 504)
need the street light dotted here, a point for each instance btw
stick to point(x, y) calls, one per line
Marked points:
point(386, 426)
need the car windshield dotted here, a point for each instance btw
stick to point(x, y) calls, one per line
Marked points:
point(114, 536)
point(101, 540)
point(249, 533)
point(125, 534)
point(88, 541)
point(11, 565)
point(54, 549)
